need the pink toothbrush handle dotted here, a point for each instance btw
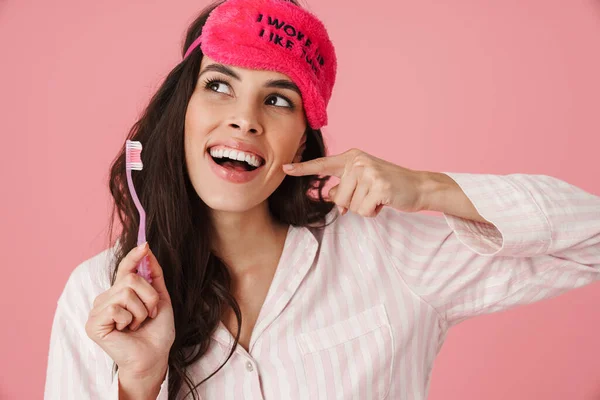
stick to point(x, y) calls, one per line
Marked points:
point(143, 269)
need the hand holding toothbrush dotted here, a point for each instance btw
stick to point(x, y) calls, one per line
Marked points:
point(119, 324)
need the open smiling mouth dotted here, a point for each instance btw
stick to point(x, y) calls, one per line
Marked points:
point(236, 160)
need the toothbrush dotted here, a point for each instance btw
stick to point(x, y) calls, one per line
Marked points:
point(133, 161)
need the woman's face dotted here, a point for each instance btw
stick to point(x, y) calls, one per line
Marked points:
point(255, 117)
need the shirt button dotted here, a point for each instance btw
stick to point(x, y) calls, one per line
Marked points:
point(249, 366)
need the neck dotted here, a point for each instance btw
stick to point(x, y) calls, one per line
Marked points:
point(247, 240)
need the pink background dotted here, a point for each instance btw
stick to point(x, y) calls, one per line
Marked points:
point(466, 86)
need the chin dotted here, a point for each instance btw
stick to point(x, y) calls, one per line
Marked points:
point(228, 203)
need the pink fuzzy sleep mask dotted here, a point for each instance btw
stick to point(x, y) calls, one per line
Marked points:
point(278, 36)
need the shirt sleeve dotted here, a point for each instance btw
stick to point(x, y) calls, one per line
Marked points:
point(162, 395)
point(78, 368)
point(543, 239)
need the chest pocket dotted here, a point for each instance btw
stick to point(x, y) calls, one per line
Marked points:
point(351, 359)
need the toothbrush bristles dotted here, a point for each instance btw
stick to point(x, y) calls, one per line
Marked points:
point(133, 155)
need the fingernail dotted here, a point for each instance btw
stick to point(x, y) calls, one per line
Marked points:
point(142, 246)
point(340, 209)
point(288, 167)
point(154, 312)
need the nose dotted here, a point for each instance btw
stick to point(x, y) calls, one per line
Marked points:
point(246, 120)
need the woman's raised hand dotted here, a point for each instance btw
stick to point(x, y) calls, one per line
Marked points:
point(367, 183)
point(133, 320)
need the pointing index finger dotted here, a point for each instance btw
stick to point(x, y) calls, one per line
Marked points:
point(331, 165)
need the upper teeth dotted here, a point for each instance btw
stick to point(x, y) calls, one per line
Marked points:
point(236, 155)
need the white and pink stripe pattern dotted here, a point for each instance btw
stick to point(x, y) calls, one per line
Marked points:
point(361, 309)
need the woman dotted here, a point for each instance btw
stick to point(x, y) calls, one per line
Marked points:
point(261, 288)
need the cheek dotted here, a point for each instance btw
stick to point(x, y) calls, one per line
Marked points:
point(198, 122)
point(288, 146)
point(195, 116)
point(196, 129)
point(286, 141)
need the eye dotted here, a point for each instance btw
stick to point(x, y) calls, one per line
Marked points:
point(217, 86)
point(279, 101)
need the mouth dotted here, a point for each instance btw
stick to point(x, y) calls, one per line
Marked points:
point(235, 160)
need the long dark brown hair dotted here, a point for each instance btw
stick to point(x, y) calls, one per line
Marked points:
point(177, 223)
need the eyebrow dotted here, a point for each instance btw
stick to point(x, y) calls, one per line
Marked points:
point(273, 83)
point(283, 84)
point(220, 68)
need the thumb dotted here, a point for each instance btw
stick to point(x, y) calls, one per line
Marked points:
point(131, 260)
point(158, 277)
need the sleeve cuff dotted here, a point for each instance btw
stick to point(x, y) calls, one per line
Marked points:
point(164, 388)
point(162, 395)
point(114, 388)
point(519, 227)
